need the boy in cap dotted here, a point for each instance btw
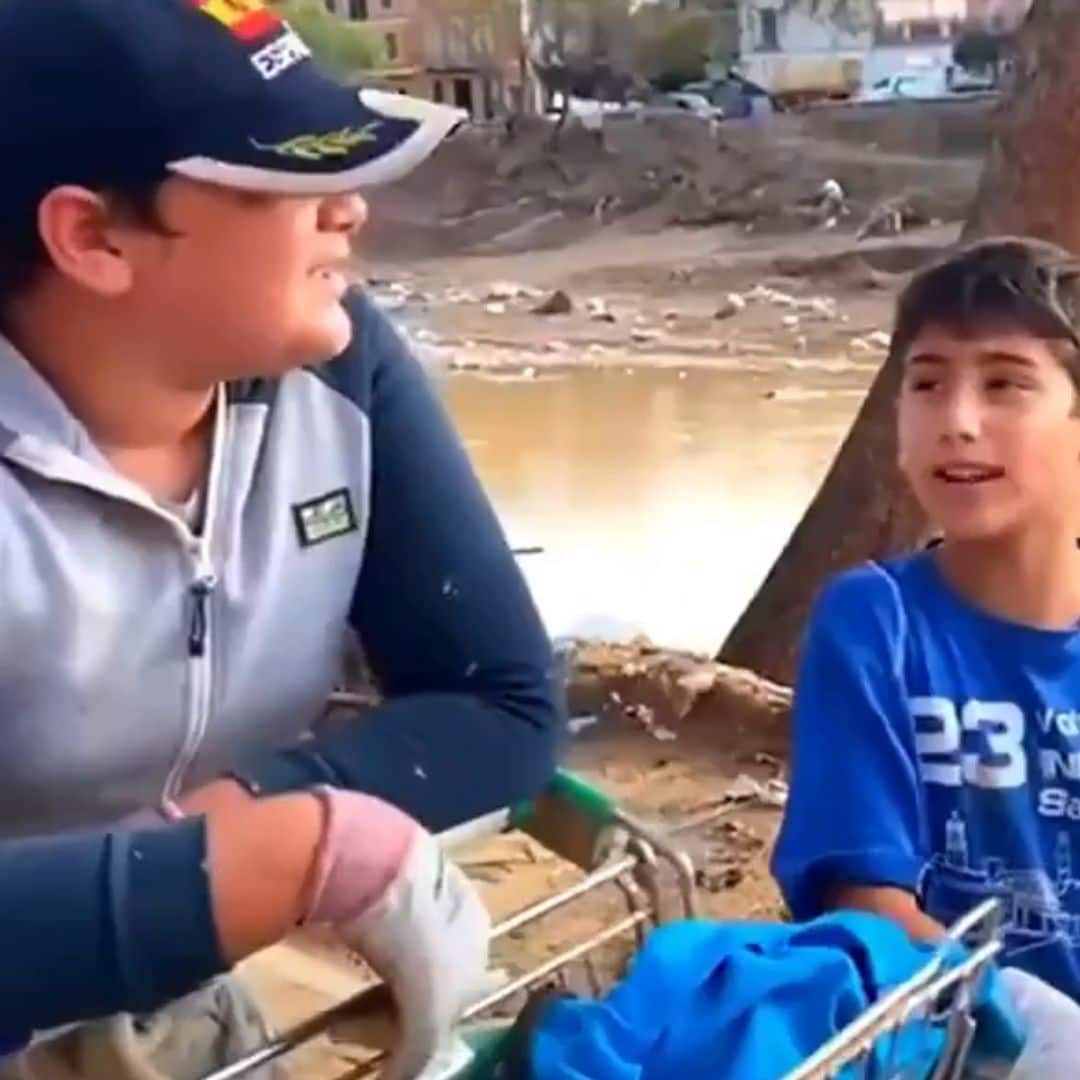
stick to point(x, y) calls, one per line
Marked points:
point(936, 752)
point(216, 458)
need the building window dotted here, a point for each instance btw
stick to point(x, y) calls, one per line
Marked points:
point(357, 9)
point(437, 93)
point(463, 98)
point(770, 31)
point(391, 47)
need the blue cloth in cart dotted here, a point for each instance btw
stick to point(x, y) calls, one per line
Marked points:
point(748, 1001)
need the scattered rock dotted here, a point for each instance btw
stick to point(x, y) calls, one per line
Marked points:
point(767, 295)
point(645, 715)
point(642, 335)
point(597, 310)
point(880, 339)
point(558, 303)
point(731, 305)
point(790, 321)
point(495, 308)
point(670, 315)
point(720, 878)
point(770, 760)
point(505, 290)
point(748, 790)
point(822, 306)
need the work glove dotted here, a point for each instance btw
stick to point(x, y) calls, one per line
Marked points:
point(385, 886)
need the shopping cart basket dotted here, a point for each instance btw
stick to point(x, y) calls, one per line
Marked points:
point(580, 824)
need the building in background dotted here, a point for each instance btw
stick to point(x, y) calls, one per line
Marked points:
point(463, 52)
point(998, 16)
point(838, 47)
point(803, 50)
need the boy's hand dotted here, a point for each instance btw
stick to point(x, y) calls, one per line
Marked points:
point(891, 903)
point(212, 798)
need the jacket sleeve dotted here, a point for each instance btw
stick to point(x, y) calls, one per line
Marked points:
point(472, 718)
point(94, 923)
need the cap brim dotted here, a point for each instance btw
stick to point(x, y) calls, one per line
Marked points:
point(368, 137)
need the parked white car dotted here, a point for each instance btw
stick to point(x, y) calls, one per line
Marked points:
point(908, 86)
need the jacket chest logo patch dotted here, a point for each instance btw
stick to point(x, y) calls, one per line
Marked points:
point(324, 517)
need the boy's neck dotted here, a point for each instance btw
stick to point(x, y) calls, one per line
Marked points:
point(114, 383)
point(1032, 579)
point(154, 430)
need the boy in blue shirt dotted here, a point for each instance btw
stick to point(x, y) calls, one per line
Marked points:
point(936, 745)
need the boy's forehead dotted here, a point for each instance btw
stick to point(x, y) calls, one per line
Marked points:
point(966, 345)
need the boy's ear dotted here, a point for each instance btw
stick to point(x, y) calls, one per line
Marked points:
point(82, 240)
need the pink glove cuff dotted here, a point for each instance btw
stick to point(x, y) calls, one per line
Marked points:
point(364, 844)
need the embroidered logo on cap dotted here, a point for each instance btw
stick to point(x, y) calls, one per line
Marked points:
point(247, 19)
point(280, 55)
point(324, 518)
point(316, 147)
point(252, 22)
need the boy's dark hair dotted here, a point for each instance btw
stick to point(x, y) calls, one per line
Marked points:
point(22, 252)
point(1004, 283)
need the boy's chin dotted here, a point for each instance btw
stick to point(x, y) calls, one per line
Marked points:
point(325, 336)
point(976, 528)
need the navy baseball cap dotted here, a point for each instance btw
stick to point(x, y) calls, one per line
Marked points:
point(124, 93)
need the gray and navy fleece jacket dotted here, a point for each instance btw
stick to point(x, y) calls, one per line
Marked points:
point(139, 659)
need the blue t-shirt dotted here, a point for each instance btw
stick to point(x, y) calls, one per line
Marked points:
point(937, 748)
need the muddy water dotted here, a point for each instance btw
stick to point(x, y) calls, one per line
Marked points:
point(660, 497)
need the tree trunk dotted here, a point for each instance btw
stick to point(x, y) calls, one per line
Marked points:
point(1030, 185)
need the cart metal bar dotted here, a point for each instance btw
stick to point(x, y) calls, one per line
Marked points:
point(376, 998)
point(549, 967)
point(897, 1006)
point(552, 903)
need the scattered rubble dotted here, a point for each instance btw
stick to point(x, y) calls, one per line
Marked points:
point(597, 310)
point(558, 303)
point(773, 793)
point(679, 688)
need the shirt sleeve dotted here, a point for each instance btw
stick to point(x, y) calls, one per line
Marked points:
point(473, 719)
point(855, 811)
point(95, 923)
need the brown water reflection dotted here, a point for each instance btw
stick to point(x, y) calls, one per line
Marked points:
point(660, 497)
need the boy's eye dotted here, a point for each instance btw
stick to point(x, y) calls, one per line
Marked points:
point(998, 383)
point(920, 384)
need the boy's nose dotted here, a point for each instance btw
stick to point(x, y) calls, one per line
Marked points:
point(343, 213)
point(962, 419)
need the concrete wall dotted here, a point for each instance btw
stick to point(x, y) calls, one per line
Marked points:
point(884, 60)
point(962, 128)
point(894, 11)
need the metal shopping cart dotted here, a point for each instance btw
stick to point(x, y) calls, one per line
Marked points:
point(656, 881)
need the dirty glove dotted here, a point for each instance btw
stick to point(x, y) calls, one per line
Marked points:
point(383, 883)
